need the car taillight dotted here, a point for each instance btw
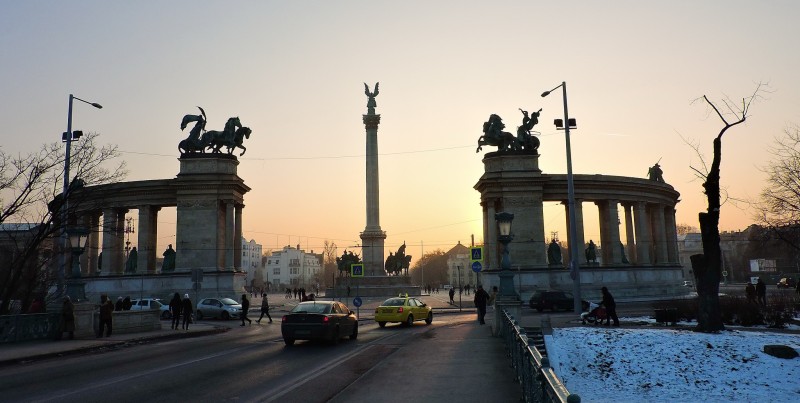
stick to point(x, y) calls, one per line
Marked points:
point(400, 310)
point(325, 319)
point(284, 319)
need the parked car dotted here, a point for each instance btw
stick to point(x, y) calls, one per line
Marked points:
point(403, 309)
point(319, 320)
point(151, 303)
point(552, 299)
point(787, 282)
point(222, 308)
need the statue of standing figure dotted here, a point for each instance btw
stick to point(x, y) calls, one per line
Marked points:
point(591, 253)
point(168, 264)
point(132, 264)
point(371, 104)
point(526, 140)
point(554, 253)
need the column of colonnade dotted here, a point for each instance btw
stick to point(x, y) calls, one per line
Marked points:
point(147, 228)
point(237, 236)
point(650, 232)
point(580, 239)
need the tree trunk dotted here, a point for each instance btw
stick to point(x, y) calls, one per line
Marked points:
point(707, 268)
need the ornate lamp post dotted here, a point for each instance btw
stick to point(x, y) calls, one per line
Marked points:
point(68, 137)
point(77, 240)
point(504, 220)
point(573, 230)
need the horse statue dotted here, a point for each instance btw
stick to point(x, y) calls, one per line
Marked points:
point(236, 142)
point(343, 263)
point(397, 262)
point(493, 135)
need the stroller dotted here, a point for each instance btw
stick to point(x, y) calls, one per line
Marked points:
point(593, 313)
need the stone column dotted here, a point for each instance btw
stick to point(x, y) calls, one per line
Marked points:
point(230, 224)
point(642, 227)
point(84, 221)
point(237, 237)
point(609, 232)
point(630, 247)
point(148, 229)
point(119, 242)
point(672, 235)
point(109, 234)
point(93, 248)
point(373, 237)
point(493, 255)
point(659, 233)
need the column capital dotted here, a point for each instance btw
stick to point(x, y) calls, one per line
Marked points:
point(371, 121)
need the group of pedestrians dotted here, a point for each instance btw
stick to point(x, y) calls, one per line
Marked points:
point(756, 294)
point(181, 309)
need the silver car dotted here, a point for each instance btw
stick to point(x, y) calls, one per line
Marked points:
point(151, 303)
point(223, 308)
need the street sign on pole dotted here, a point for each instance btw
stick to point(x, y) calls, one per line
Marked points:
point(477, 267)
point(357, 301)
point(357, 270)
point(476, 254)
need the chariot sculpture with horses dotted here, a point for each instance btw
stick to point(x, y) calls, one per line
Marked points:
point(397, 262)
point(493, 134)
point(199, 140)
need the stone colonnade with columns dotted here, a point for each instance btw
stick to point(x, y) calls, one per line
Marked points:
point(209, 197)
point(513, 182)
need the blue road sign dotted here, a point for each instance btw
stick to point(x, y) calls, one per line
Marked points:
point(357, 301)
point(357, 270)
point(477, 267)
point(476, 254)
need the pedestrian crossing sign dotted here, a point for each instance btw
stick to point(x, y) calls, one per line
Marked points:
point(476, 254)
point(357, 270)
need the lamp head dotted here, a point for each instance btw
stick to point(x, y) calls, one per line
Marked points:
point(504, 220)
point(96, 105)
point(546, 93)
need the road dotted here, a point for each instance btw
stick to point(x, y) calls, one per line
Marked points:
point(248, 363)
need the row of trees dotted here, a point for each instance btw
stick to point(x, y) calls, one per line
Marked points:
point(30, 212)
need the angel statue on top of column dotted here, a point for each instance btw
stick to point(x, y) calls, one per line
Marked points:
point(371, 104)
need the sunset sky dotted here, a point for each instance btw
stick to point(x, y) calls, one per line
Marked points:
point(293, 72)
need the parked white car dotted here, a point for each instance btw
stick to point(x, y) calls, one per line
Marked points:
point(151, 303)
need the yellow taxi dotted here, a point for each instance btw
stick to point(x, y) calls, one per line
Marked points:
point(403, 309)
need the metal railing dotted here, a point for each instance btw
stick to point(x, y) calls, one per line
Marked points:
point(539, 382)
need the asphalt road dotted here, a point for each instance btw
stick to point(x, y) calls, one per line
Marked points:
point(248, 363)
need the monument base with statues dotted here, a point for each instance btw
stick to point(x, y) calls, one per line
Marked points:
point(372, 286)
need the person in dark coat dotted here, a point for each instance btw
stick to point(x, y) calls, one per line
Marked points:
point(452, 293)
point(186, 311)
point(106, 308)
point(750, 292)
point(127, 304)
point(119, 305)
point(175, 306)
point(245, 309)
point(481, 298)
point(761, 292)
point(264, 308)
point(67, 319)
point(611, 307)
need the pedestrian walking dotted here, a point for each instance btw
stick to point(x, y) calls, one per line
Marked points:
point(245, 309)
point(493, 295)
point(175, 306)
point(611, 307)
point(67, 319)
point(127, 304)
point(750, 292)
point(761, 292)
point(481, 298)
point(452, 293)
point(186, 310)
point(106, 308)
point(264, 308)
point(118, 306)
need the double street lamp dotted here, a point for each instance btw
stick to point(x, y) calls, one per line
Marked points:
point(68, 137)
point(77, 241)
point(504, 221)
point(574, 263)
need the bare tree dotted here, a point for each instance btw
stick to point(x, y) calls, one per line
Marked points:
point(684, 229)
point(30, 197)
point(707, 267)
point(778, 209)
point(329, 267)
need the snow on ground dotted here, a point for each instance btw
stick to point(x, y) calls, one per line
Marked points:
point(603, 364)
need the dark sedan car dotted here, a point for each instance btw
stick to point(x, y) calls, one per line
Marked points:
point(553, 300)
point(319, 320)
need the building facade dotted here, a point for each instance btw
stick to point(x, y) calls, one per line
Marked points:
point(459, 267)
point(251, 263)
point(293, 267)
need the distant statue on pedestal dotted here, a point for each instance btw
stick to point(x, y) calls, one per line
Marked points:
point(655, 173)
point(554, 253)
point(168, 264)
point(132, 263)
point(371, 104)
point(591, 252)
point(397, 262)
point(526, 140)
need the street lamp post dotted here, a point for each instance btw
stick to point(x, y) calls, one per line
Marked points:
point(573, 230)
point(460, 288)
point(504, 220)
point(68, 137)
point(77, 241)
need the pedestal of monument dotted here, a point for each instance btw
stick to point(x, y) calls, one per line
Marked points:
point(373, 286)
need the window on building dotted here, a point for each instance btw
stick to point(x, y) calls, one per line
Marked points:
point(276, 271)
